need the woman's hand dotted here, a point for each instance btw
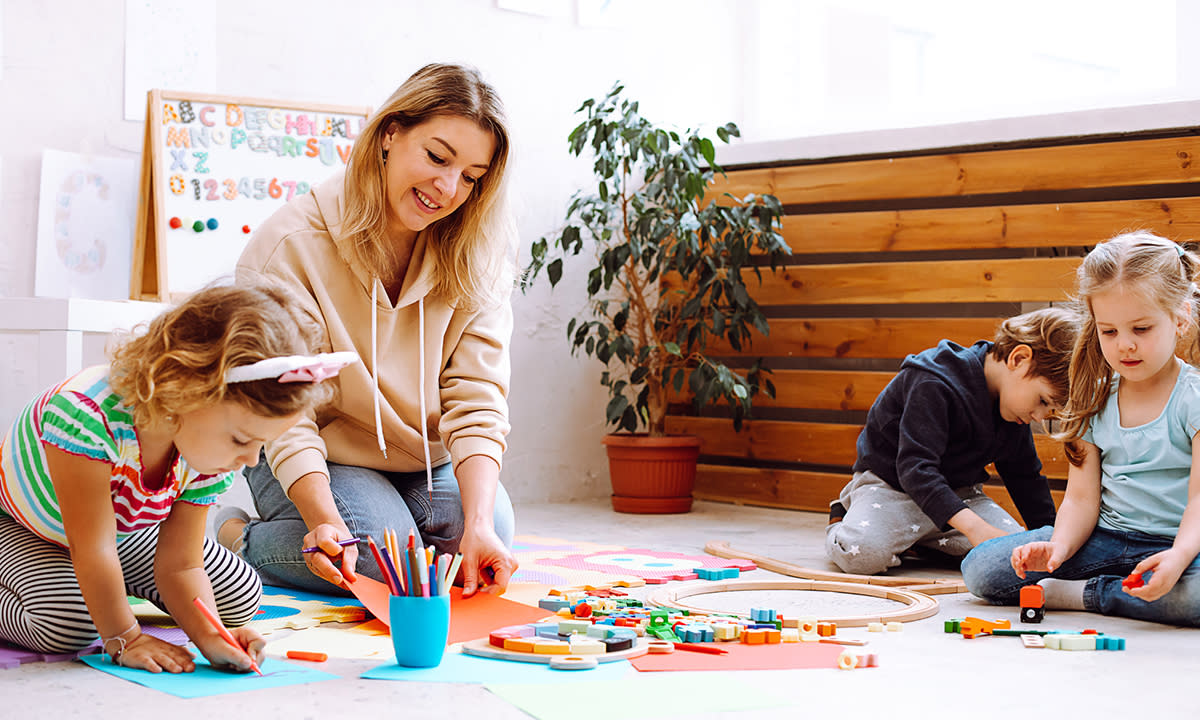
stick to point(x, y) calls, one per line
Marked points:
point(147, 652)
point(1166, 567)
point(486, 561)
point(326, 536)
point(1044, 556)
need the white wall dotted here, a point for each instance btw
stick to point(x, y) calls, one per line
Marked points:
point(61, 87)
point(689, 62)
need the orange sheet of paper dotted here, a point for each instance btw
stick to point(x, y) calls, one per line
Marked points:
point(470, 618)
point(784, 656)
point(480, 614)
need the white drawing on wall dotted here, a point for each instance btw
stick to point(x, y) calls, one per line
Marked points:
point(85, 226)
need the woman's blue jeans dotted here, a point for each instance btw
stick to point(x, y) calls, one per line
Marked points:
point(369, 501)
point(1104, 560)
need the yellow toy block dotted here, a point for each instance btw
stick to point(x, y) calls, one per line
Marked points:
point(580, 645)
point(726, 631)
point(630, 583)
point(546, 646)
point(875, 627)
point(789, 635)
point(895, 626)
point(524, 645)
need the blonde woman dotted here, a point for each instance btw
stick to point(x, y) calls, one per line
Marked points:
point(405, 260)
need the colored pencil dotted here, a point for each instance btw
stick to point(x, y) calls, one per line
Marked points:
point(223, 632)
point(707, 649)
point(343, 543)
point(450, 576)
point(389, 574)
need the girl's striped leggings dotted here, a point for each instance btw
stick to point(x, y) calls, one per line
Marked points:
point(42, 607)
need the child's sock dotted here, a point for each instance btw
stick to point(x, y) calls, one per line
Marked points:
point(1063, 594)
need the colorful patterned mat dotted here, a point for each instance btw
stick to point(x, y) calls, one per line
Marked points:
point(554, 561)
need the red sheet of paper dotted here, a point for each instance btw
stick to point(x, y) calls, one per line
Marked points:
point(470, 618)
point(784, 656)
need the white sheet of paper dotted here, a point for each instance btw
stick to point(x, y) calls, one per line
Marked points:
point(86, 213)
point(169, 44)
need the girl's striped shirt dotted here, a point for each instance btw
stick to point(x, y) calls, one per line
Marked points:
point(84, 417)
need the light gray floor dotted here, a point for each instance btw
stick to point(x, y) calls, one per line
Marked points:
point(923, 673)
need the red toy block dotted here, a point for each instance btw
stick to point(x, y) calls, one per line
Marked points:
point(1133, 581)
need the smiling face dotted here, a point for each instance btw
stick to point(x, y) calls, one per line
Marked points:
point(1023, 397)
point(1137, 337)
point(226, 436)
point(431, 170)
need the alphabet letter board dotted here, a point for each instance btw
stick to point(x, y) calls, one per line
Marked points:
point(214, 168)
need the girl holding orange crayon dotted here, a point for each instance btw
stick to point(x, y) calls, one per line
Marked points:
point(106, 480)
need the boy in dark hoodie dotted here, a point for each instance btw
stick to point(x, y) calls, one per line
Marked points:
point(931, 433)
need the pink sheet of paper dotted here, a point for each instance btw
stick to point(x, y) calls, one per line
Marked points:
point(740, 656)
point(470, 618)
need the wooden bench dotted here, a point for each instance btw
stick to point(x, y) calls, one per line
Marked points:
point(892, 254)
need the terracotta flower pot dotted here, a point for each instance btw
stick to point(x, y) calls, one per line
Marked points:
point(652, 474)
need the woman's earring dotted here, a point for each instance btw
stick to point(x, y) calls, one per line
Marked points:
point(385, 157)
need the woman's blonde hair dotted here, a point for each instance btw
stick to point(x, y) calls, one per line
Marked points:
point(1158, 270)
point(471, 244)
point(178, 364)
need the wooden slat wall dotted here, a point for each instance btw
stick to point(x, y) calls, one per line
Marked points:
point(890, 255)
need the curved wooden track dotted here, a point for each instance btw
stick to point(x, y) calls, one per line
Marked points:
point(918, 604)
point(928, 586)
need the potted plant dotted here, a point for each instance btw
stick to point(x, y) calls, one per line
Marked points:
point(669, 280)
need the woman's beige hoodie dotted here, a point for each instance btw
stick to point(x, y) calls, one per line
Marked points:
point(465, 355)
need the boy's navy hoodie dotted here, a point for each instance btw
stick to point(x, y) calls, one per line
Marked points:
point(935, 427)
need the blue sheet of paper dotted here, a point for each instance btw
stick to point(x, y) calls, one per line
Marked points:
point(459, 668)
point(206, 680)
point(333, 600)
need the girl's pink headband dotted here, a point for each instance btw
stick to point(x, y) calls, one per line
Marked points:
point(293, 368)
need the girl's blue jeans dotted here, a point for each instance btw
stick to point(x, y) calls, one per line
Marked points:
point(369, 501)
point(1104, 560)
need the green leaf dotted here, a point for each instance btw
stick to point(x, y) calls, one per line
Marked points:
point(672, 348)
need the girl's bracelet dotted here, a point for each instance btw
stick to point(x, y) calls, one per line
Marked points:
point(121, 642)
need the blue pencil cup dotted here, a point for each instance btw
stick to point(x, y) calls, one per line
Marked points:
point(420, 626)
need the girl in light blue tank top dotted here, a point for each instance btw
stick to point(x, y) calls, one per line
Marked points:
point(1128, 530)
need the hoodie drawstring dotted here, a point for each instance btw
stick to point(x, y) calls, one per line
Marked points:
point(375, 364)
point(421, 391)
point(420, 381)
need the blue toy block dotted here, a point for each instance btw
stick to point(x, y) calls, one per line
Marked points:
point(762, 615)
point(553, 604)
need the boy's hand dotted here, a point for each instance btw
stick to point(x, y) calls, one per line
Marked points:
point(1042, 556)
point(1166, 567)
point(977, 530)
